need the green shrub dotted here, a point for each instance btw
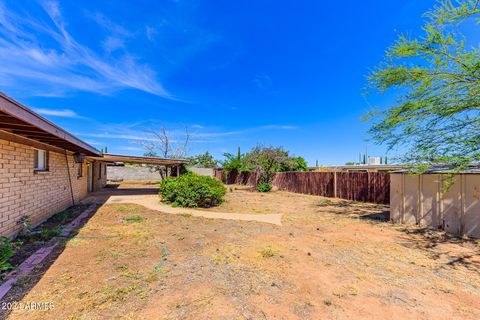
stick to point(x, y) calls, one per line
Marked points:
point(6, 252)
point(191, 190)
point(134, 219)
point(48, 233)
point(264, 187)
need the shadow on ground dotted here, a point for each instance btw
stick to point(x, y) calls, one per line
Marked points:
point(437, 244)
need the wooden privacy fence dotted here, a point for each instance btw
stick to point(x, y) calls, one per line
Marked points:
point(316, 183)
point(371, 187)
point(363, 186)
point(245, 178)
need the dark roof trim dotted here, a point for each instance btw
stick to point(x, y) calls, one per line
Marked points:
point(446, 169)
point(20, 120)
point(4, 135)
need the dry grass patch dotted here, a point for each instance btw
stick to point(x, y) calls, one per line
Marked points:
point(324, 262)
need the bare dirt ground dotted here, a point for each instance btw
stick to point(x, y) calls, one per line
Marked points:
point(330, 259)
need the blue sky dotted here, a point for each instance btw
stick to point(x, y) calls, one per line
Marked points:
point(235, 73)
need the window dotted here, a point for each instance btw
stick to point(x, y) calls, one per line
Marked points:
point(40, 160)
point(80, 170)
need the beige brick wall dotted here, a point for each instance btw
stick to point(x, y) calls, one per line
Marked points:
point(37, 195)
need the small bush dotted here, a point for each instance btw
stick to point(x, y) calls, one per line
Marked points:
point(134, 219)
point(264, 187)
point(48, 233)
point(6, 252)
point(268, 252)
point(192, 190)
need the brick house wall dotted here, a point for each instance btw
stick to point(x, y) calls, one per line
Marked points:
point(39, 195)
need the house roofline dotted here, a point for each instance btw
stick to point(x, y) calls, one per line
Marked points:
point(33, 126)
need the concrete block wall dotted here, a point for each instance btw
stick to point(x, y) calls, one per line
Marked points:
point(37, 195)
point(144, 173)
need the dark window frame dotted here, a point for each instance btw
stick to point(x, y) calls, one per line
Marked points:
point(80, 170)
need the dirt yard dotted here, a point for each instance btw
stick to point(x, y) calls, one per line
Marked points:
point(330, 259)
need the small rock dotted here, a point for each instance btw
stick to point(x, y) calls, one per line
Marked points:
point(309, 253)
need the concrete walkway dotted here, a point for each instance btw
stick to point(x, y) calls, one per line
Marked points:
point(153, 202)
point(148, 197)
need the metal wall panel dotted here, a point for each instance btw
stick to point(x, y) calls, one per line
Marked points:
point(411, 192)
point(471, 219)
point(396, 197)
point(450, 205)
point(429, 201)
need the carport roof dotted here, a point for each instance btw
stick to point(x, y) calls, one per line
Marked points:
point(137, 159)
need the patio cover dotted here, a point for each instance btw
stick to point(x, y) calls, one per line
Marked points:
point(137, 159)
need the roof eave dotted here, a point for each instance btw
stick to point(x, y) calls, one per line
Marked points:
point(17, 110)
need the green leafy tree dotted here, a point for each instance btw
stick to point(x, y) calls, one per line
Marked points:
point(293, 164)
point(267, 161)
point(235, 162)
point(205, 160)
point(437, 77)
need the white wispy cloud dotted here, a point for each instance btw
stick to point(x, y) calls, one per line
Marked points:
point(131, 136)
point(141, 137)
point(109, 25)
point(93, 142)
point(63, 113)
point(130, 148)
point(262, 81)
point(40, 51)
point(143, 132)
point(150, 33)
point(111, 44)
point(278, 127)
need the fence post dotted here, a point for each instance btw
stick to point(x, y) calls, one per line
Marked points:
point(335, 184)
